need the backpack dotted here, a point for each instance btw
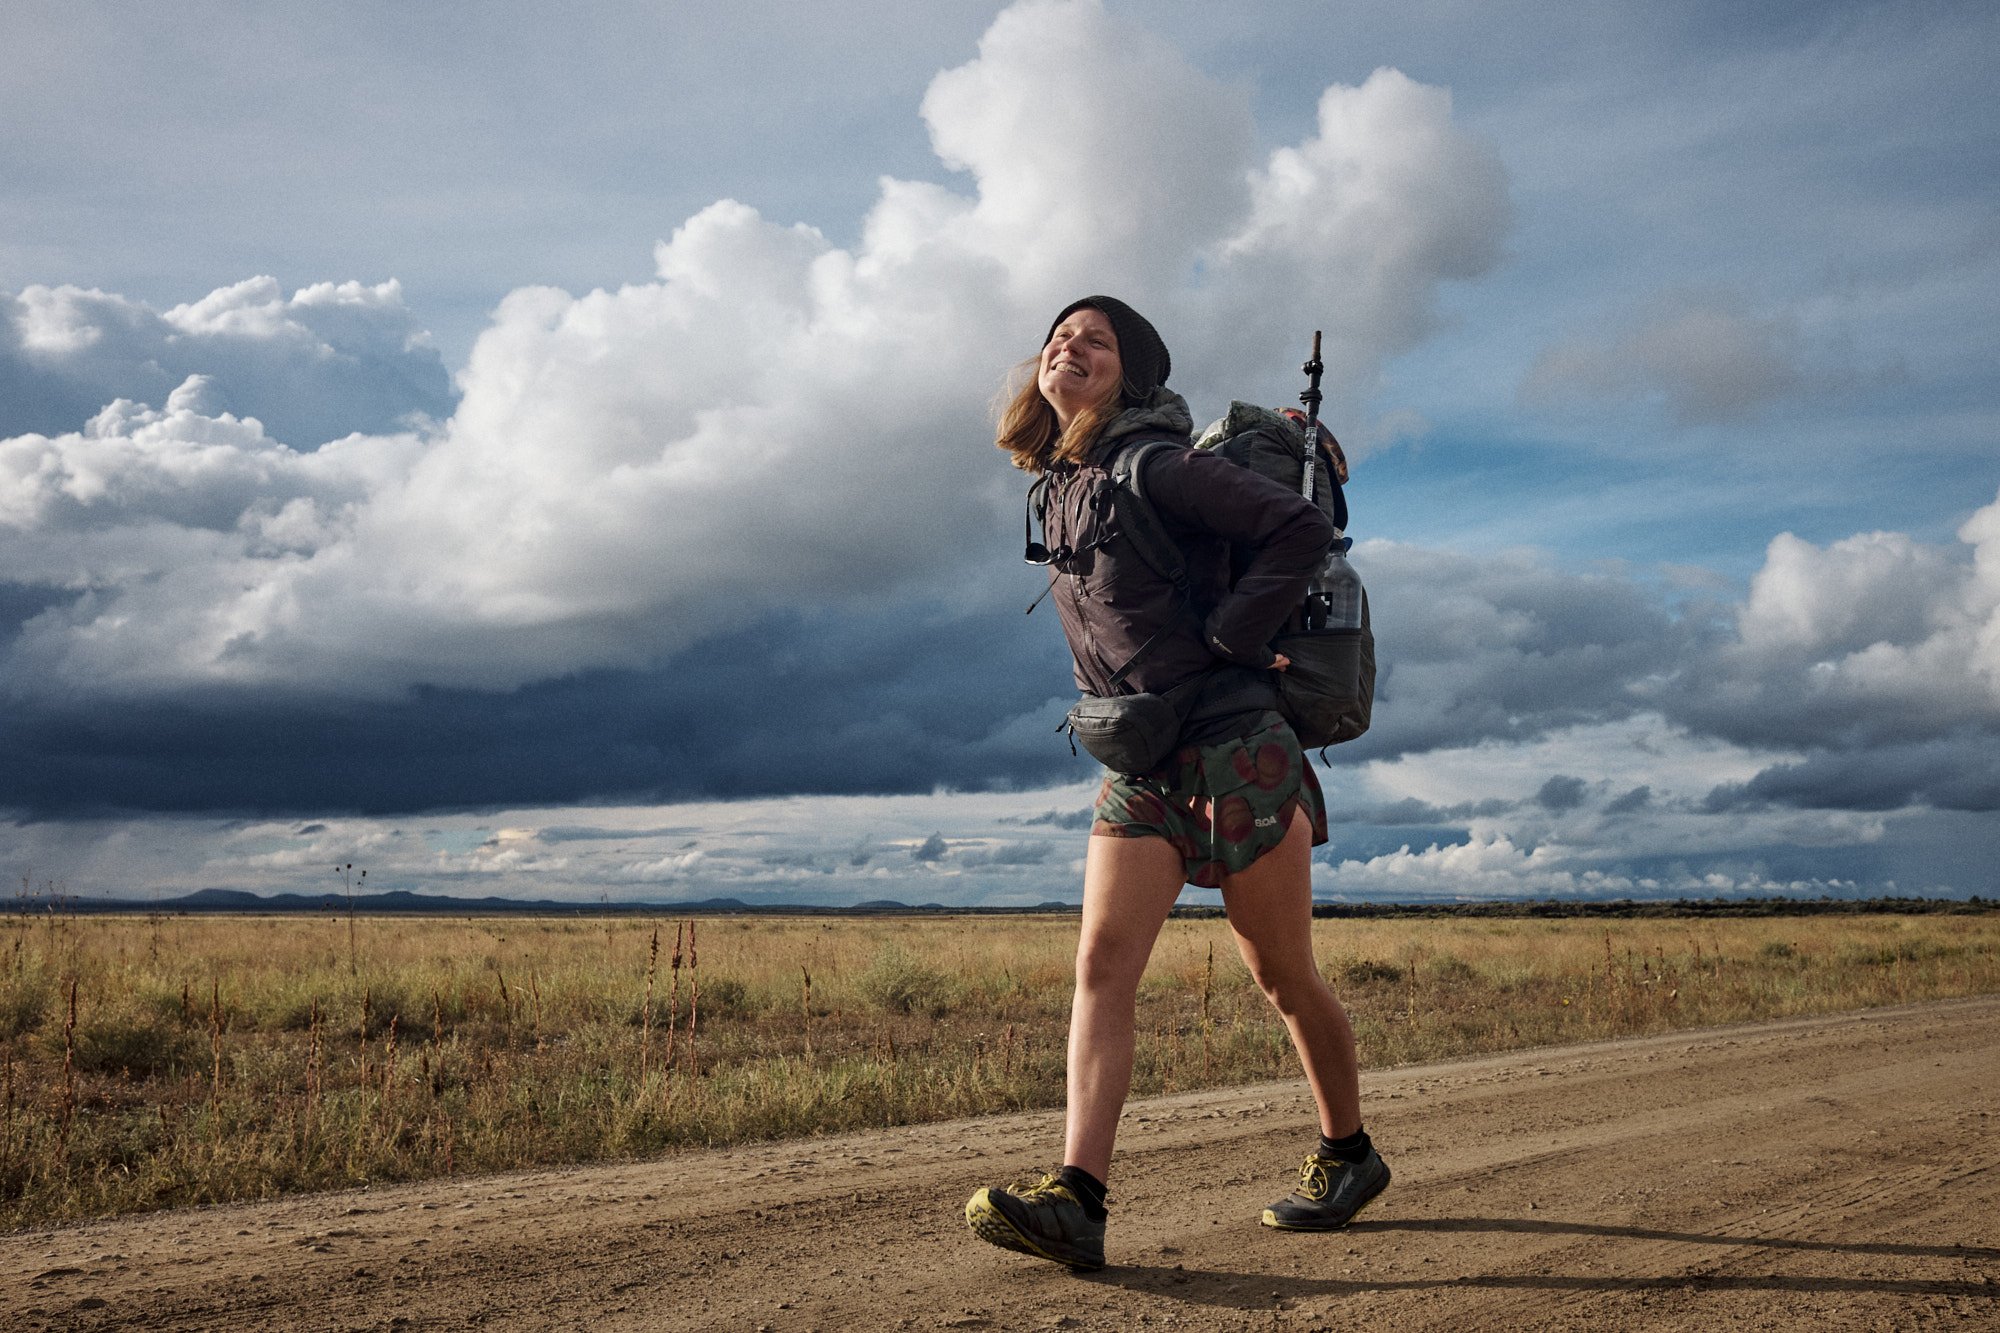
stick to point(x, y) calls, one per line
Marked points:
point(1328, 693)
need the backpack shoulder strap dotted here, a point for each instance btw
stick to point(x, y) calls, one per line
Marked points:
point(1137, 518)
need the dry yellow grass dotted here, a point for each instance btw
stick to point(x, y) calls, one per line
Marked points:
point(154, 1062)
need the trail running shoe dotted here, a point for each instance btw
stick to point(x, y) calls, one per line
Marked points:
point(1045, 1220)
point(1330, 1193)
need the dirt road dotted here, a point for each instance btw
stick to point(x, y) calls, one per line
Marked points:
point(1836, 1172)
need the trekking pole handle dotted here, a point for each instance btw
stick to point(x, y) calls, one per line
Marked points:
point(1313, 369)
point(1311, 399)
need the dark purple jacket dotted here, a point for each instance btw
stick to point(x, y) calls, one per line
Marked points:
point(1111, 601)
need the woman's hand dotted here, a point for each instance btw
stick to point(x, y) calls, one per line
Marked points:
point(1281, 662)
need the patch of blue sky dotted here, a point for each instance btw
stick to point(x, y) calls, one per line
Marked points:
point(1349, 842)
point(457, 841)
point(1717, 507)
point(591, 833)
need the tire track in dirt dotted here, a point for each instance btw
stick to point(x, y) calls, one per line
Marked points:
point(1806, 1173)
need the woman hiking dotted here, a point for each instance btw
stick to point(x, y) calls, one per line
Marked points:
point(1234, 806)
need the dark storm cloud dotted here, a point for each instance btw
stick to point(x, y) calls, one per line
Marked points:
point(1065, 819)
point(1009, 854)
point(905, 701)
point(1560, 793)
point(20, 602)
point(1959, 773)
point(913, 698)
point(1508, 648)
point(1631, 802)
point(1413, 813)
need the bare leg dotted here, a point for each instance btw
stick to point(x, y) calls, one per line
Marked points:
point(1129, 885)
point(1270, 910)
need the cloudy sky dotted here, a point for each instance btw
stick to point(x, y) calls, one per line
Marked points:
point(549, 456)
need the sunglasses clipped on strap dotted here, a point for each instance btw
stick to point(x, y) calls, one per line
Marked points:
point(1060, 556)
point(1039, 552)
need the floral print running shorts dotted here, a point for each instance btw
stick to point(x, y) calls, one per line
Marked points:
point(1222, 806)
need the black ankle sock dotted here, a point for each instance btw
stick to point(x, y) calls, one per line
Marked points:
point(1089, 1190)
point(1350, 1149)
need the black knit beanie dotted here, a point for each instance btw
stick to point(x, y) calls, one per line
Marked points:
point(1139, 346)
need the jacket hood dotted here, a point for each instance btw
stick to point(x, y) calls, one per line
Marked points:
point(1160, 410)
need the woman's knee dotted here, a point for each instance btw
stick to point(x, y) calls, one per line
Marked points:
point(1290, 985)
point(1108, 966)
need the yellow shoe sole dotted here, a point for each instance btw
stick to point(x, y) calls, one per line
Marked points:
point(1271, 1218)
point(992, 1226)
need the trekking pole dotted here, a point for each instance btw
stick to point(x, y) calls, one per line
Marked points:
point(1311, 398)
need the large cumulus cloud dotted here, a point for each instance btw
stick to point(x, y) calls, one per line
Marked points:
point(1865, 672)
point(1861, 675)
point(770, 421)
point(1873, 639)
point(1877, 657)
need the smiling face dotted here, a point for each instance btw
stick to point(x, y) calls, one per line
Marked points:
point(1080, 367)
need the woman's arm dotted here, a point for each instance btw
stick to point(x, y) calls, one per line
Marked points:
point(1287, 535)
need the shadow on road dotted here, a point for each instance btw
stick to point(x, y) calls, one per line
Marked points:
point(1258, 1291)
point(1541, 1227)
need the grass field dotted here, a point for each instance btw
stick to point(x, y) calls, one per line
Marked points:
point(156, 1062)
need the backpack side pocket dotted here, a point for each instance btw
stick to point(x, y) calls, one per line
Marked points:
point(1328, 693)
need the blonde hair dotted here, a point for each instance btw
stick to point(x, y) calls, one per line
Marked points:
point(1028, 429)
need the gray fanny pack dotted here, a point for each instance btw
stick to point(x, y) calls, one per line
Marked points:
point(1129, 733)
point(1136, 733)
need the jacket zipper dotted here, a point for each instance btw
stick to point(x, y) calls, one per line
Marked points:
point(1085, 508)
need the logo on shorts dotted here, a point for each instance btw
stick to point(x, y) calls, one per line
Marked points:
point(1268, 821)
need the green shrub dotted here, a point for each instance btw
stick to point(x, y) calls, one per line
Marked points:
point(722, 997)
point(22, 1005)
point(1902, 951)
point(140, 1046)
point(900, 984)
point(1361, 971)
point(341, 1010)
point(1448, 967)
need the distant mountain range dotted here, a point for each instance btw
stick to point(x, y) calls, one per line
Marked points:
point(402, 902)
